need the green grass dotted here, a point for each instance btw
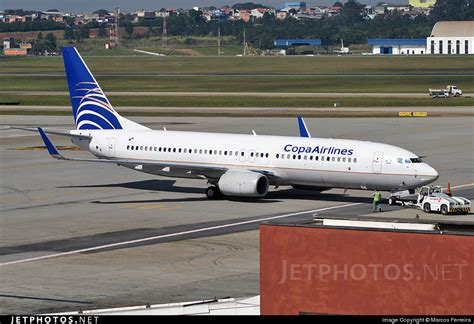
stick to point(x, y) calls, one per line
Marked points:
point(423, 65)
point(176, 101)
point(393, 84)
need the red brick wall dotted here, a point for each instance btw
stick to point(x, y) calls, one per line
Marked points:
point(336, 271)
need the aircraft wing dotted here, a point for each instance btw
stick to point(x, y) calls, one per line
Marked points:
point(200, 171)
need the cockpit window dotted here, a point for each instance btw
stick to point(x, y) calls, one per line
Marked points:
point(409, 161)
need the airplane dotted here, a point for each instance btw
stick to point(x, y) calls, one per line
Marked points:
point(234, 165)
point(343, 50)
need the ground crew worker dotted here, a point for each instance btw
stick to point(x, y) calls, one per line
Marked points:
point(377, 197)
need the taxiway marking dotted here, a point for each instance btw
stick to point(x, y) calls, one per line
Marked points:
point(100, 247)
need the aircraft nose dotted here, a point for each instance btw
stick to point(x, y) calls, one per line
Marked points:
point(431, 174)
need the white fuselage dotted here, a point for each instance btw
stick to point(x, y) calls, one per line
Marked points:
point(318, 162)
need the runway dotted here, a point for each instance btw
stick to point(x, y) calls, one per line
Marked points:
point(77, 235)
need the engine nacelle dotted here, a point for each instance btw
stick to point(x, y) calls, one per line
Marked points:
point(243, 183)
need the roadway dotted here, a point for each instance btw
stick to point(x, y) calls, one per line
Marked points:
point(77, 235)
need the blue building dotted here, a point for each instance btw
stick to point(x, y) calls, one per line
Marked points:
point(398, 46)
point(295, 5)
point(296, 42)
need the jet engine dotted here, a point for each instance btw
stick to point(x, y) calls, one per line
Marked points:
point(243, 183)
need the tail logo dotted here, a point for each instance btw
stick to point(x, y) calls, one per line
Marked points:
point(94, 110)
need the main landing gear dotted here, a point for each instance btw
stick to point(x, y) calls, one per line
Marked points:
point(213, 192)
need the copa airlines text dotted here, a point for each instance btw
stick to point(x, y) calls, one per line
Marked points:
point(233, 164)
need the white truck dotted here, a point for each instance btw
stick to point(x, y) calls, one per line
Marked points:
point(432, 199)
point(450, 91)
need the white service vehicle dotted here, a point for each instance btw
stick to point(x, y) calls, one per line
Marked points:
point(433, 199)
point(450, 91)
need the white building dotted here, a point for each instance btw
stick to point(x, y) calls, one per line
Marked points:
point(451, 37)
point(398, 46)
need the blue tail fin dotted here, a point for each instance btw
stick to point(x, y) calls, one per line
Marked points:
point(304, 132)
point(91, 108)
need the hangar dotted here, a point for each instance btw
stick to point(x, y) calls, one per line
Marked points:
point(398, 46)
point(451, 37)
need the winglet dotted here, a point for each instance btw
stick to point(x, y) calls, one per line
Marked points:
point(52, 150)
point(304, 132)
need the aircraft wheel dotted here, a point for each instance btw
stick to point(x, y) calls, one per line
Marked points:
point(391, 201)
point(213, 192)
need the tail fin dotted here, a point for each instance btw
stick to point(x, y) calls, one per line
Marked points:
point(90, 106)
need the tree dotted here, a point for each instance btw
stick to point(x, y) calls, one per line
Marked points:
point(102, 31)
point(68, 33)
point(101, 12)
point(50, 41)
point(129, 28)
point(85, 32)
point(453, 10)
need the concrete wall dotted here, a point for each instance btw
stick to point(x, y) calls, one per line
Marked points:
point(344, 271)
point(444, 47)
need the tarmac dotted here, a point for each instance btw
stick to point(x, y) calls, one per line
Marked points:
point(82, 236)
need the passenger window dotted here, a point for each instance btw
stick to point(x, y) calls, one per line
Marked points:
point(141, 148)
point(288, 156)
point(210, 152)
point(169, 149)
point(311, 158)
point(355, 160)
point(294, 157)
point(305, 157)
point(220, 152)
point(349, 160)
point(344, 159)
point(179, 151)
point(242, 153)
point(277, 156)
point(283, 156)
point(251, 154)
point(299, 157)
point(184, 150)
point(316, 158)
point(225, 152)
point(200, 151)
point(156, 148)
point(339, 159)
point(205, 151)
point(128, 146)
point(322, 158)
point(267, 155)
